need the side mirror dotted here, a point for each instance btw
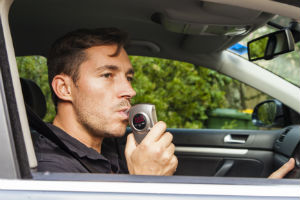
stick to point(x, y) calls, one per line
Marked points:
point(268, 114)
point(270, 45)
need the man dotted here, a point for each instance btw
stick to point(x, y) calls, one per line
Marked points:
point(90, 74)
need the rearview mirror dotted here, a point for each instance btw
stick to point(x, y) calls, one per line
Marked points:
point(270, 45)
point(268, 114)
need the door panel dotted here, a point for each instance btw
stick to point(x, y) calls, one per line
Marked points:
point(258, 165)
point(232, 153)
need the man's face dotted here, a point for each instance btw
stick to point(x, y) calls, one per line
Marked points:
point(102, 94)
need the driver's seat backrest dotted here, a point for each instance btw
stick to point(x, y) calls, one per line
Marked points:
point(35, 104)
point(34, 97)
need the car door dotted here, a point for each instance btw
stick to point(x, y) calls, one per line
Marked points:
point(234, 153)
point(240, 152)
point(229, 145)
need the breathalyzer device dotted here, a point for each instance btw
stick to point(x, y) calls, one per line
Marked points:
point(142, 117)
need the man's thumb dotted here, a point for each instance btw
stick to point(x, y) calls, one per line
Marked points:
point(130, 145)
point(282, 171)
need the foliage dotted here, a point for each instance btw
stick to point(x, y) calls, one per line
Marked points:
point(181, 92)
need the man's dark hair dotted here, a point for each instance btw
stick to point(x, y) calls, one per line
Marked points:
point(67, 53)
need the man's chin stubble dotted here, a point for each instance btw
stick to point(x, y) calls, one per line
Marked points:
point(116, 133)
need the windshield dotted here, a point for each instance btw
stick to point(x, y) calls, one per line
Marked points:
point(286, 65)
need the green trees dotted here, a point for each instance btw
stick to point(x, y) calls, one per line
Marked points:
point(181, 92)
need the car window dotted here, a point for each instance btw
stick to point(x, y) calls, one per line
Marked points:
point(188, 97)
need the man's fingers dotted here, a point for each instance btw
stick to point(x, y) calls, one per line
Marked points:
point(171, 149)
point(156, 131)
point(130, 145)
point(282, 171)
point(173, 166)
point(166, 139)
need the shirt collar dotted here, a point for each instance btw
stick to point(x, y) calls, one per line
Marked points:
point(108, 150)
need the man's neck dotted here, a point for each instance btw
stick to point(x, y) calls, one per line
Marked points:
point(66, 121)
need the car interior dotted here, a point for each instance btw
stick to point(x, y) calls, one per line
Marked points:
point(164, 29)
point(197, 32)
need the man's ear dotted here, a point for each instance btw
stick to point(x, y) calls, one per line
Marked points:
point(61, 85)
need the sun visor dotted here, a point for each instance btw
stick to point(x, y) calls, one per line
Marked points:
point(208, 18)
point(201, 28)
point(213, 25)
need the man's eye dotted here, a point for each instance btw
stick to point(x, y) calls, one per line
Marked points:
point(107, 75)
point(130, 79)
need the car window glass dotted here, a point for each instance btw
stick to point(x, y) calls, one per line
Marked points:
point(185, 95)
point(189, 96)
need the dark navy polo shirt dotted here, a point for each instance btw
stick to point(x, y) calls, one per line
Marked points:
point(53, 159)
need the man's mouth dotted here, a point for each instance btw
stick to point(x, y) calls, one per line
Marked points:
point(127, 111)
point(123, 109)
point(124, 112)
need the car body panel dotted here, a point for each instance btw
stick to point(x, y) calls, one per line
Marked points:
point(156, 187)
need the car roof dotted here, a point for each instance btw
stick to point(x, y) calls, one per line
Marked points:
point(158, 28)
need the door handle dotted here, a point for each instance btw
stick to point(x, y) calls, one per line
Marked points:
point(235, 139)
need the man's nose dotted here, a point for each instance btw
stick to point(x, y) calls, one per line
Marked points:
point(126, 89)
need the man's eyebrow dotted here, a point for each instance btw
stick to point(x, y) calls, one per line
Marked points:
point(110, 67)
point(113, 68)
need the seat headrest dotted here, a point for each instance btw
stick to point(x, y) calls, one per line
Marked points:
point(34, 97)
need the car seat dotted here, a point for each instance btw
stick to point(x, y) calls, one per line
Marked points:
point(34, 97)
point(35, 104)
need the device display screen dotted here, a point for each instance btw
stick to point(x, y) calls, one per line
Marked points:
point(139, 121)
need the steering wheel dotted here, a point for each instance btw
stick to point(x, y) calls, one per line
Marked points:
point(295, 173)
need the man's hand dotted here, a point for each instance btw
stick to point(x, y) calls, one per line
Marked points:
point(283, 170)
point(154, 155)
